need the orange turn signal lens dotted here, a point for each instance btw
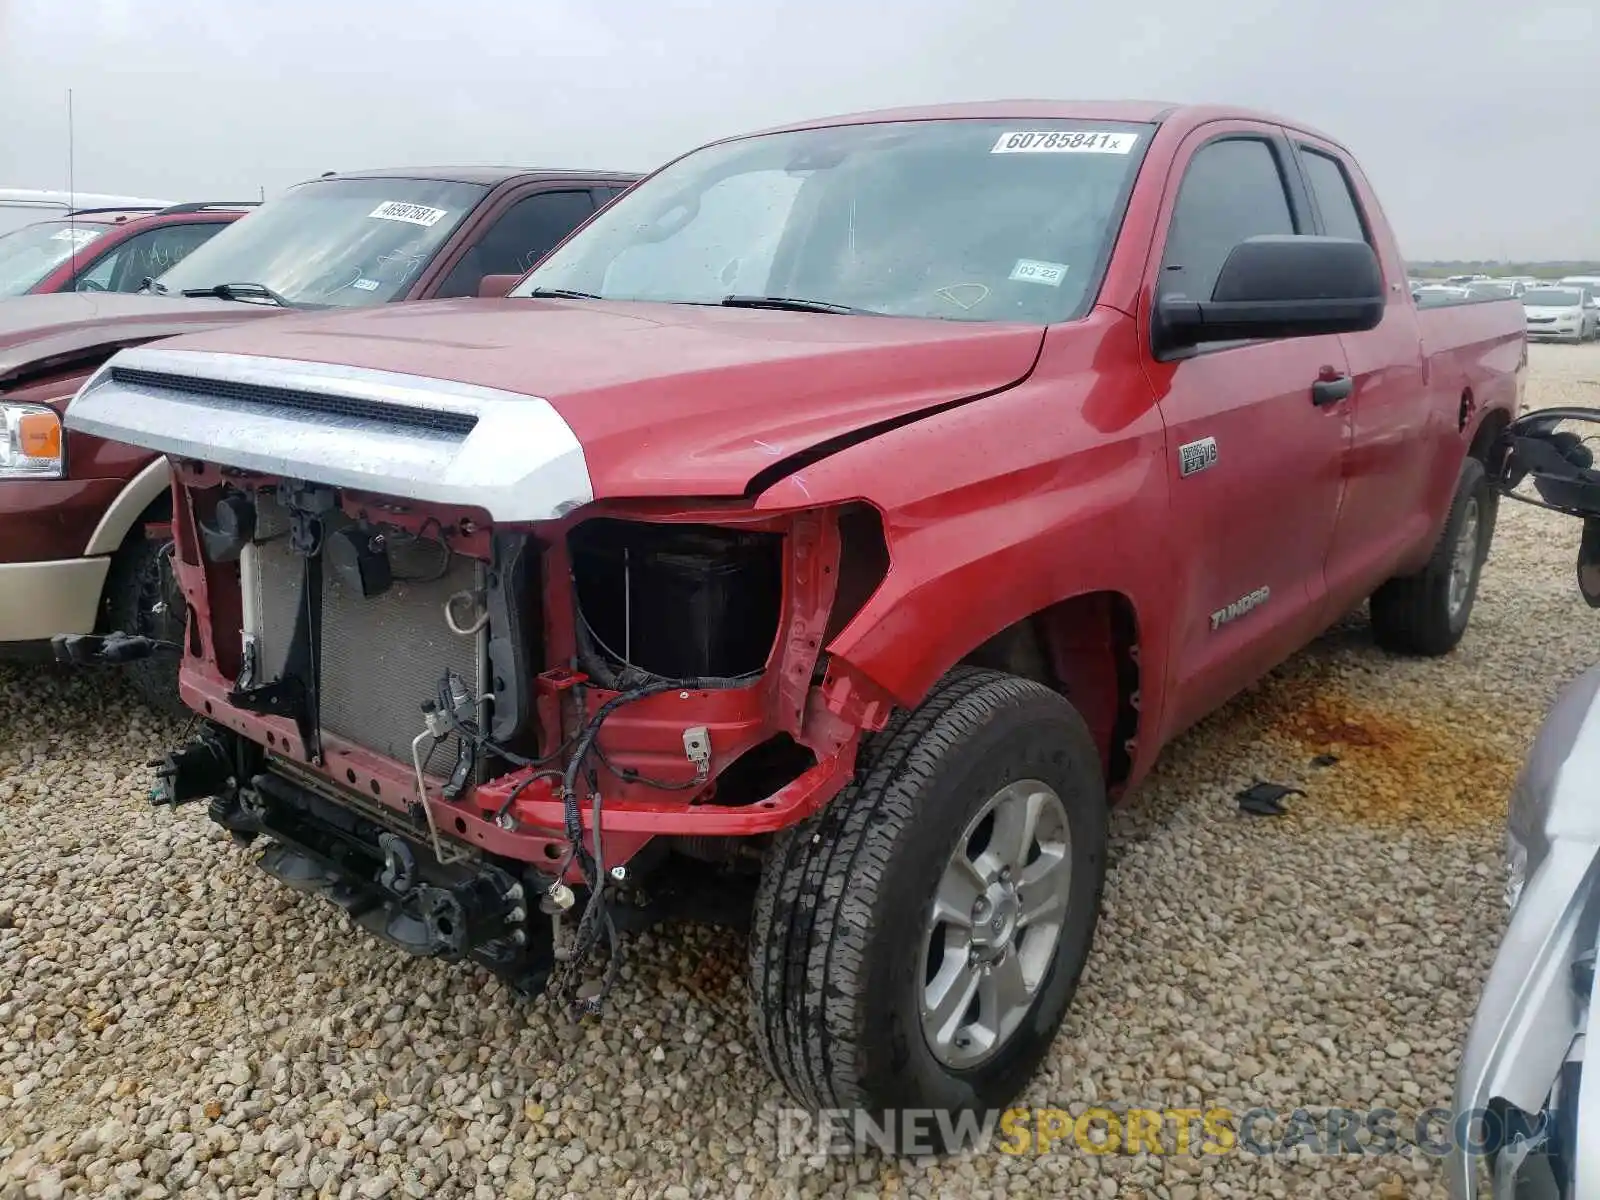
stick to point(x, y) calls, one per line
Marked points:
point(39, 435)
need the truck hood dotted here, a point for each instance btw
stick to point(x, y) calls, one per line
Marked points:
point(647, 399)
point(40, 334)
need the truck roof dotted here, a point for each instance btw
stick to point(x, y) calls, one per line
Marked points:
point(490, 176)
point(1151, 112)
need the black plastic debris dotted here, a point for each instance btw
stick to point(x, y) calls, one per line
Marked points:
point(1262, 799)
point(1324, 760)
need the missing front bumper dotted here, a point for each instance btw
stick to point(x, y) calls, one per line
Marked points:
point(385, 880)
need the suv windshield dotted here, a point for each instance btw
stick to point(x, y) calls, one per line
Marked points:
point(961, 219)
point(1552, 298)
point(331, 242)
point(28, 254)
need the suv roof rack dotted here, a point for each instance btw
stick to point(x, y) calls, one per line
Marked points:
point(202, 205)
point(166, 210)
point(110, 208)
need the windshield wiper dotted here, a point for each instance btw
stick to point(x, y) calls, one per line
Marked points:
point(238, 291)
point(787, 303)
point(148, 284)
point(562, 294)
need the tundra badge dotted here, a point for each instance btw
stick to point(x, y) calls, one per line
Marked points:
point(1196, 456)
point(1239, 607)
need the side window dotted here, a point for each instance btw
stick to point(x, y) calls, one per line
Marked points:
point(1341, 214)
point(522, 235)
point(144, 256)
point(1232, 190)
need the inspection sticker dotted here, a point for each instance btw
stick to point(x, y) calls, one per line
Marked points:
point(78, 237)
point(414, 214)
point(1030, 270)
point(1064, 141)
point(366, 285)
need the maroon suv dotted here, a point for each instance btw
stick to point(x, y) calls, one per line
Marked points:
point(108, 249)
point(84, 522)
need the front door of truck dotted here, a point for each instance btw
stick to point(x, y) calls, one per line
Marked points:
point(1254, 449)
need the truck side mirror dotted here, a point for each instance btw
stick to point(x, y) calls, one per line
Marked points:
point(491, 286)
point(1277, 286)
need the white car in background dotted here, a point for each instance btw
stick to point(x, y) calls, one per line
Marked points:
point(1564, 313)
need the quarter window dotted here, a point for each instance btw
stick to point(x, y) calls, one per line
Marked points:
point(1341, 215)
point(1232, 190)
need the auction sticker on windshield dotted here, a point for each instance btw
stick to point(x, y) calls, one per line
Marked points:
point(78, 237)
point(1063, 141)
point(415, 214)
point(1030, 270)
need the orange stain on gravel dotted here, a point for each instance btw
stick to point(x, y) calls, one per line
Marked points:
point(1422, 767)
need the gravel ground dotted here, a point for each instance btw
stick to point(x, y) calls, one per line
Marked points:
point(174, 1022)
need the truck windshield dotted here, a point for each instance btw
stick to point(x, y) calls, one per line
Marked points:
point(28, 254)
point(965, 220)
point(1551, 298)
point(343, 242)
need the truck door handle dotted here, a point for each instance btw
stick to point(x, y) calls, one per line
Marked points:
point(1330, 391)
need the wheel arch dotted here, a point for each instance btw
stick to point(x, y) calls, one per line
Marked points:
point(1088, 646)
point(148, 495)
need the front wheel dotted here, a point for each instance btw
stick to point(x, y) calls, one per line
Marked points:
point(142, 596)
point(1426, 613)
point(916, 944)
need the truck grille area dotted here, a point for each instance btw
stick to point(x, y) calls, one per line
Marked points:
point(381, 657)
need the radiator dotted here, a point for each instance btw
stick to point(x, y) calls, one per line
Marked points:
point(381, 658)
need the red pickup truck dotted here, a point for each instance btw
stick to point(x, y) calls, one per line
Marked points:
point(856, 507)
point(83, 520)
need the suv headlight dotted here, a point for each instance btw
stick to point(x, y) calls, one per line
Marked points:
point(30, 442)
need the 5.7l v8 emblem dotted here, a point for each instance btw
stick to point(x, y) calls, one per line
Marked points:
point(1196, 456)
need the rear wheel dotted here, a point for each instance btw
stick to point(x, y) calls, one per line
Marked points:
point(142, 597)
point(916, 943)
point(1426, 613)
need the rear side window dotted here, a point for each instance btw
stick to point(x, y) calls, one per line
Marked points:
point(1232, 190)
point(1341, 214)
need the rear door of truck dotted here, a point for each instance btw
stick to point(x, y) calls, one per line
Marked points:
point(1394, 412)
point(1254, 461)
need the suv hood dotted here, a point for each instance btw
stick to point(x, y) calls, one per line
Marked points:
point(42, 333)
point(528, 408)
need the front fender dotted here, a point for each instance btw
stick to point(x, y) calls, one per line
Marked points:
point(1000, 508)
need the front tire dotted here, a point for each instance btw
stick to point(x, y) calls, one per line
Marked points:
point(916, 944)
point(142, 597)
point(1427, 613)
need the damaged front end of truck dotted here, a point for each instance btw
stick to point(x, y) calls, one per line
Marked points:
point(489, 716)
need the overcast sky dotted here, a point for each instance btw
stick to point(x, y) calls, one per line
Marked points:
point(1478, 120)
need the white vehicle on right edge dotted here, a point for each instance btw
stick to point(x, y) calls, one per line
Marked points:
point(1565, 312)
